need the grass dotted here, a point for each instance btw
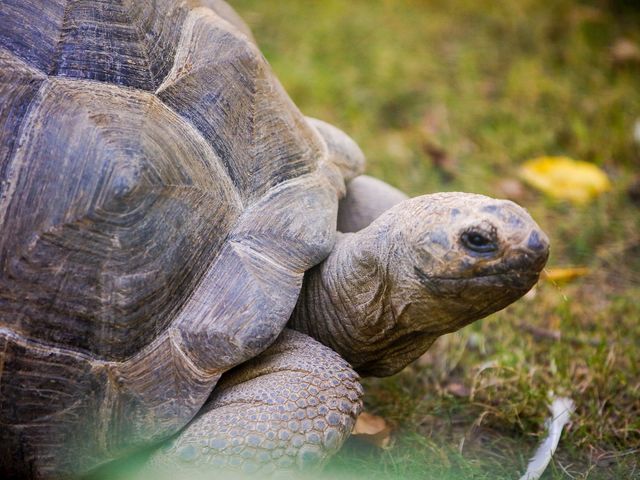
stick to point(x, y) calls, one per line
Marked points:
point(455, 95)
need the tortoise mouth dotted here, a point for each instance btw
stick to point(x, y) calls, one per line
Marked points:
point(518, 282)
point(515, 281)
point(518, 270)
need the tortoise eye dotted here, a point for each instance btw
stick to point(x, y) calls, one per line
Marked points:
point(478, 242)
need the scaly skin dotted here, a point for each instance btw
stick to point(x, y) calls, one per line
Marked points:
point(427, 266)
point(290, 408)
point(388, 291)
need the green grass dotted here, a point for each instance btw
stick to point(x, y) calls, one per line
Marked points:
point(455, 95)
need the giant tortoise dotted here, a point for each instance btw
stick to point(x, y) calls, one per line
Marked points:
point(168, 215)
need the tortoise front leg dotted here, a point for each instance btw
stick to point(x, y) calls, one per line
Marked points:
point(290, 408)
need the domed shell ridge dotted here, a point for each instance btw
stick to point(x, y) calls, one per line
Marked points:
point(160, 200)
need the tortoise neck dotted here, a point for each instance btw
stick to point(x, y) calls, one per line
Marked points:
point(347, 303)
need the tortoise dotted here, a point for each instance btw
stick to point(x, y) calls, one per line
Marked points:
point(171, 227)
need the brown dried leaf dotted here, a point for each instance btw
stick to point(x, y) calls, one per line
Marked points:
point(441, 160)
point(541, 333)
point(458, 390)
point(625, 51)
point(373, 429)
point(434, 123)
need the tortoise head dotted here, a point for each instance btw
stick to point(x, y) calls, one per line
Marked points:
point(451, 259)
point(425, 267)
point(467, 256)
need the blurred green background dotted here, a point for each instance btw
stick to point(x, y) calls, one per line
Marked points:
point(456, 95)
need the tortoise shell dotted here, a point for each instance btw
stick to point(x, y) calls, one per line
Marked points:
point(160, 200)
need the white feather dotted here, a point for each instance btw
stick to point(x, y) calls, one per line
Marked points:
point(561, 409)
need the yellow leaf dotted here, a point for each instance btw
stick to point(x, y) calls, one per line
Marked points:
point(565, 274)
point(565, 178)
point(372, 429)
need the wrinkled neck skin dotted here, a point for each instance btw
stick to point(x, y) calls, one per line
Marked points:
point(353, 303)
point(426, 267)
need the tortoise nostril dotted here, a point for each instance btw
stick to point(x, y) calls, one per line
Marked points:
point(537, 246)
point(537, 242)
